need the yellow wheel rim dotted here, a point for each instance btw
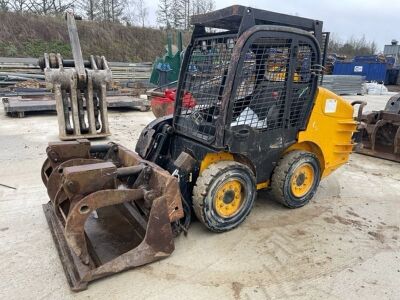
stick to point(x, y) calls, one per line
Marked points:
point(302, 180)
point(229, 199)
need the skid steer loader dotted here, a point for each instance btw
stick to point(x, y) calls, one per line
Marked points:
point(260, 121)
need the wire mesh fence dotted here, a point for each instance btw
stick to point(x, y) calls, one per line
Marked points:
point(205, 80)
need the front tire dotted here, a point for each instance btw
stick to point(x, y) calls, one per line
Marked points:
point(295, 179)
point(224, 195)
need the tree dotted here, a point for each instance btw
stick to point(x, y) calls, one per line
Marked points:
point(164, 13)
point(90, 8)
point(352, 47)
point(138, 12)
point(48, 7)
point(202, 6)
point(18, 5)
point(4, 5)
point(111, 10)
point(177, 13)
point(185, 8)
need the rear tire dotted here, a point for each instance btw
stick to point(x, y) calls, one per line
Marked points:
point(295, 179)
point(224, 195)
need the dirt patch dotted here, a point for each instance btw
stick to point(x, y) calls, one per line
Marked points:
point(388, 227)
point(345, 221)
point(378, 236)
point(300, 232)
point(170, 276)
point(351, 213)
point(329, 220)
point(377, 174)
point(289, 218)
point(237, 288)
point(394, 228)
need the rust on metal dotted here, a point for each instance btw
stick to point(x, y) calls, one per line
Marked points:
point(109, 209)
point(379, 132)
point(80, 92)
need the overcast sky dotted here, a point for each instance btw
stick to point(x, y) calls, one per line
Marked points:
point(378, 20)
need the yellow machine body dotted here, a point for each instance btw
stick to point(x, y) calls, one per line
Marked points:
point(329, 131)
point(328, 135)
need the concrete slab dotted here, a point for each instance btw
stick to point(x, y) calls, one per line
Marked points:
point(344, 244)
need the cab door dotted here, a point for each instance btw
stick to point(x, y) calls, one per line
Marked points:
point(272, 96)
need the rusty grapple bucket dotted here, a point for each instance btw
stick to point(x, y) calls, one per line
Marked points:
point(109, 209)
point(379, 132)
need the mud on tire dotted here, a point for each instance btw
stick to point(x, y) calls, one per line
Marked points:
point(281, 190)
point(209, 183)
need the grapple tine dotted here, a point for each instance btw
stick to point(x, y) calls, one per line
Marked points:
point(46, 171)
point(157, 244)
point(77, 216)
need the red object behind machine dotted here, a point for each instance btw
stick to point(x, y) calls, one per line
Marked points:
point(163, 106)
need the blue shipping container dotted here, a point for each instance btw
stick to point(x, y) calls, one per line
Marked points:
point(371, 71)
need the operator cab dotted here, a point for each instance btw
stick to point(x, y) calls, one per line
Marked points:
point(239, 78)
point(253, 79)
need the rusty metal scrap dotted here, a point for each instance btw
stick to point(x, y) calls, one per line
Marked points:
point(379, 134)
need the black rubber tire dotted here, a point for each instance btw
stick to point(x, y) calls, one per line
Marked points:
point(206, 187)
point(283, 172)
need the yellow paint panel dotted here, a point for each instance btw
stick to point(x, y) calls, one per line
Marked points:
point(212, 158)
point(262, 185)
point(329, 131)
